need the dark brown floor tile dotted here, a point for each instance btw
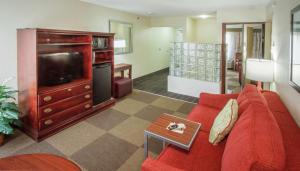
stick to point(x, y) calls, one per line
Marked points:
point(42, 147)
point(107, 119)
point(150, 113)
point(154, 145)
point(135, 161)
point(186, 108)
point(107, 153)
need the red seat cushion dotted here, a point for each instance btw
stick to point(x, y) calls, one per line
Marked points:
point(203, 156)
point(204, 115)
point(154, 165)
point(255, 142)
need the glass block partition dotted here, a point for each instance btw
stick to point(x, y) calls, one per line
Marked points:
point(196, 61)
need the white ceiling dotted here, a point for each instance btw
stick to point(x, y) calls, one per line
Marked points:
point(175, 7)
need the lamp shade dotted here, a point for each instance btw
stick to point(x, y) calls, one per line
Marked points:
point(260, 70)
point(120, 43)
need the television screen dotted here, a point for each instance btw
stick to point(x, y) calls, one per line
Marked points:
point(59, 68)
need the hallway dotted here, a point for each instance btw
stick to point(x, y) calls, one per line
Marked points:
point(157, 83)
point(232, 81)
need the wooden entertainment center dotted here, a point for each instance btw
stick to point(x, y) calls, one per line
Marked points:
point(45, 110)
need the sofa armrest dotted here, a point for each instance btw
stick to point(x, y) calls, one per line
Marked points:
point(154, 165)
point(217, 101)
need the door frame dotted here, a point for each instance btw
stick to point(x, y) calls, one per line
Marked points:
point(223, 55)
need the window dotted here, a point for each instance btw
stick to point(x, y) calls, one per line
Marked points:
point(123, 36)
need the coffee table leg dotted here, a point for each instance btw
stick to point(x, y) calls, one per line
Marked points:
point(146, 145)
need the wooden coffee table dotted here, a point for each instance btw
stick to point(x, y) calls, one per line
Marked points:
point(158, 130)
point(34, 162)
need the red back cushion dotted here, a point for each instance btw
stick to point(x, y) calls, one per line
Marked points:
point(248, 90)
point(255, 142)
point(247, 95)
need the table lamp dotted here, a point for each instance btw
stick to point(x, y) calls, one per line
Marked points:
point(260, 70)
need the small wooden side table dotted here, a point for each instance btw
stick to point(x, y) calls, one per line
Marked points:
point(37, 162)
point(158, 130)
point(123, 67)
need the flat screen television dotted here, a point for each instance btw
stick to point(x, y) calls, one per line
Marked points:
point(59, 68)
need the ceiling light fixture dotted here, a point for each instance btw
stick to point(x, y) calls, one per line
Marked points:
point(204, 16)
point(149, 13)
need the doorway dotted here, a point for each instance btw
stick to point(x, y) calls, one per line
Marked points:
point(234, 51)
point(242, 41)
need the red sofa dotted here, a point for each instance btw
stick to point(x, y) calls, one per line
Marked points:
point(265, 137)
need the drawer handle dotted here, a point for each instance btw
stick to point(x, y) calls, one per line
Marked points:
point(48, 122)
point(87, 96)
point(87, 106)
point(69, 89)
point(47, 110)
point(87, 87)
point(47, 98)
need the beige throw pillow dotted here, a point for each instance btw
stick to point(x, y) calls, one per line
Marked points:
point(224, 122)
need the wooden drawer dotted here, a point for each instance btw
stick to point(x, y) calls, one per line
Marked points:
point(48, 98)
point(64, 115)
point(64, 104)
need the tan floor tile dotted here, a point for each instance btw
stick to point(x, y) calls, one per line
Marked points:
point(129, 106)
point(135, 161)
point(131, 130)
point(81, 167)
point(168, 103)
point(41, 147)
point(181, 115)
point(186, 108)
point(76, 137)
point(13, 145)
point(107, 153)
point(143, 96)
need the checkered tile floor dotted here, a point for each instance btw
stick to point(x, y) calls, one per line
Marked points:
point(232, 81)
point(111, 140)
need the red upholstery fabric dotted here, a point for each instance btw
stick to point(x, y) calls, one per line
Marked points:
point(203, 155)
point(289, 129)
point(204, 115)
point(153, 165)
point(217, 101)
point(249, 94)
point(255, 143)
point(251, 145)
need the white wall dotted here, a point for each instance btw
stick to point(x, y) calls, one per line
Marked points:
point(191, 87)
point(168, 21)
point(210, 30)
point(190, 31)
point(207, 30)
point(150, 50)
point(150, 45)
point(281, 55)
point(253, 14)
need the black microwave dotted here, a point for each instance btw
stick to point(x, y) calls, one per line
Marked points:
point(100, 43)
